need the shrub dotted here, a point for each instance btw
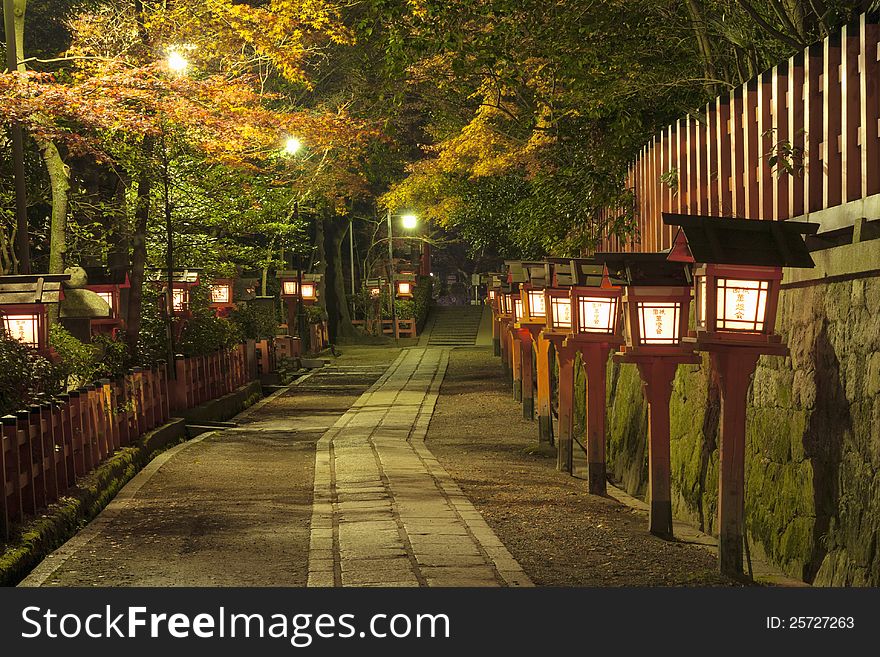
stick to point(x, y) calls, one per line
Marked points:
point(254, 321)
point(76, 364)
point(204, 332)
point(25, 375)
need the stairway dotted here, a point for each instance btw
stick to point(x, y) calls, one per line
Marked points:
point(452, 326)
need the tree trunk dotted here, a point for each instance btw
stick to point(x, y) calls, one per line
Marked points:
point(139, 249)
point(703, 42)
point(59, 178)
point(342, 326)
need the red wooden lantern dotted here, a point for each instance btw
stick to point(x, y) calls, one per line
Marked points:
point(221, 292)
point(737, 276)
point(309, 291)
point(182, 281)
point(27, 324)
point(656, 301)
point(595, 308)
point(24, 302)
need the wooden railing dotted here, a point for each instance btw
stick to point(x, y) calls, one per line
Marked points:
point(818, 114)
point(49, 446)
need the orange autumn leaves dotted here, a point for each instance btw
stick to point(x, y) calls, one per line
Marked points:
point(117, 88)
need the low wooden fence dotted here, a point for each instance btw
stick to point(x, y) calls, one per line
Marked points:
point(797, 141)
point(49, 446)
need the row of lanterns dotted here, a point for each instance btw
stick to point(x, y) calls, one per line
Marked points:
point(637, 306)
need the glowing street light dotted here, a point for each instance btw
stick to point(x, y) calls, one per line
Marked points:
point(409, 221)
point(292, 146)
point(177, 62)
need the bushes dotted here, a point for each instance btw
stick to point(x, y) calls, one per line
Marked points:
point(26, 375)
point(204, 332)
point(255, 321)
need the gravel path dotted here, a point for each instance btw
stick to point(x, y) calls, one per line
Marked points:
point(559, 534)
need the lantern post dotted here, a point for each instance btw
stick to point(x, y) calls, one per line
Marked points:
point(596, 330)
point(531, 323)
point(737, 273)
point(493, 294)
point(656, 305)
point(504, 304)
point(557, 301)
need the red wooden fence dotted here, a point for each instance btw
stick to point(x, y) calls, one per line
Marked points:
point(823, 104)
point(47, 447)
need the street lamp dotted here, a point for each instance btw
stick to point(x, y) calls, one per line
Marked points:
point(177, 63)
point(292, 146)
point(409, 221)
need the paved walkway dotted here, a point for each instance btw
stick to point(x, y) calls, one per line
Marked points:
point(385, 511)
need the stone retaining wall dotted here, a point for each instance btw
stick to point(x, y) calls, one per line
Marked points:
point(813, 437)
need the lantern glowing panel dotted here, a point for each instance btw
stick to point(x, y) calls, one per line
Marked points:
point(537, 307)
point(288, 288)
point(596, 314)
point(404, 288)
point(517, 308)
point(309, 291)
point(560, 315)
point(24, 328)
point(375, 292)
point(221, 293)
point(179, 299)
point(742, 304)
point(659, 322)
point(491, 295)
point(700, 294)
point(108, 297)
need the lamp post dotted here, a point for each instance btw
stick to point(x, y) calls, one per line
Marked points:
point(178, 65)
point(595, 319)
point(737, 272)
point(531, 324)
point(558, 328)
point(656, 305)
point(409, 222)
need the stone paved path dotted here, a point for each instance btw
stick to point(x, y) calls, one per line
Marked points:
point(386, 513)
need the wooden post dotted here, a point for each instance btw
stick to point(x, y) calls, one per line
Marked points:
point(76, 432)
point(545, 417)
point(516, 364)
point(50, 461)
point(595, 357)
point(496, 335)
point(657, 373)
point(505, 350)
point(27, 465)
point(527, 386)
point(10, 506)
point(734, 367)
point(565, 440)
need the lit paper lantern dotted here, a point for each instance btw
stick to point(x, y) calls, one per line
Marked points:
point(179, 299)
point(288, 288)
point(25, 327)
point(221, 293)
point(309, 291)
point(559, 317)
point(594, 312)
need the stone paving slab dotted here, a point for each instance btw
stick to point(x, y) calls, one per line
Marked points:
point(386, 512)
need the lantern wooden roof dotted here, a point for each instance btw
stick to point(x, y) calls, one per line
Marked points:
point(181, 276)
point(646, 269)
point(729, 241)
point(31, 289)
point(535, 272)
point(103, 276)
point(588, 272)
point(287, 273)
